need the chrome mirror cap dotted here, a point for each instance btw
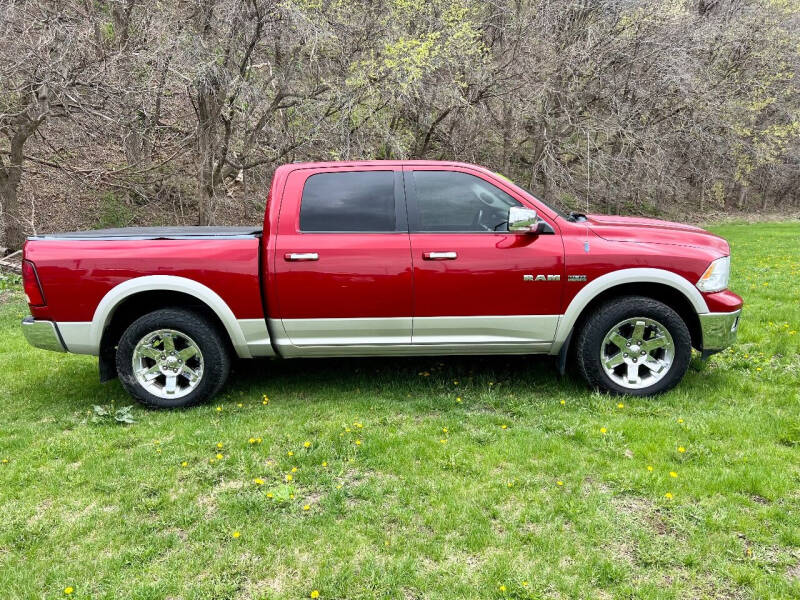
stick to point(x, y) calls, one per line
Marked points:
point(522, 220)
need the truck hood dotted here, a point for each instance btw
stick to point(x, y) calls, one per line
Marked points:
point(654, 231)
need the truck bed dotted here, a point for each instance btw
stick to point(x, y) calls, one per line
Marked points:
point(154, 233)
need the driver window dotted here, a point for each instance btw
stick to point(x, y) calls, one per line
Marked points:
point(459, 202)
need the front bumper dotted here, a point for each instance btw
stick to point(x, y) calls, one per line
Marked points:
point(42, 334)
point(719, 330)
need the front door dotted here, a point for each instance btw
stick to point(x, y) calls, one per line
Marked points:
point(474, 281)
point(343, 262)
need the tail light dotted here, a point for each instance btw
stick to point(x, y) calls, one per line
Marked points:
point(30, 282)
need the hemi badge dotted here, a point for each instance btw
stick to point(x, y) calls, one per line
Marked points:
point(576, 277)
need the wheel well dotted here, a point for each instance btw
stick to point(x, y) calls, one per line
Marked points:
point(657, 291)
point(138, 305)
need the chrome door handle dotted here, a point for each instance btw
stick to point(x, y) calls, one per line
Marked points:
point(439, 256)
point(299, 256)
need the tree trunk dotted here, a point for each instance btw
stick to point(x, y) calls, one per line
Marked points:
point(10, 176)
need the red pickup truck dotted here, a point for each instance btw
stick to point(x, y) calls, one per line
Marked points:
point(389, 258)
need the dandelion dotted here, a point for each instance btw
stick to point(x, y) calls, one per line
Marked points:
point(673, 474)
point(307, 507)
point(444, 429)
point(650, 468)
point(455, 383)
point(251, 441)
point(524, 584)
point(258, 481)
point(264, 399)
point(211, 461)
point(294, 469)
point(358, 442)
point(359, 425)
point(603, 430)
point(289, 477)
point(184, 464)
point(307, 445)
point(290, 453)
point(510, 484)
point(503, 426)
point(219, 445)
point(620, 405)
point(502, 588)
point(68, 590)
point(236, 535)
point(269, 495)
point(259, 440)
point(239, 405)
point(219, 409)
point(680, 421)
point(563, 402)
point(443, 441)
point(314, 593)
point(338, 487)
point(5, 461)
point(559, 483)
point(458, 400)
point(668, 496)
point(324, 463)
point(291, 496)
point(219, 457)
point(681, 449)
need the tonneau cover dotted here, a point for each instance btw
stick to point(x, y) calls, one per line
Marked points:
point(153, 233)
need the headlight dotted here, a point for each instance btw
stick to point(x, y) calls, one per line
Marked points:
point(715, 279)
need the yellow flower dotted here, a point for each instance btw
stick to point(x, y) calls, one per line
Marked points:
point(444, 429)
point(258, 440)
point(458, 400)
point(307, 507)
point(269, 494)
point(252, 440)
point(184, 464)
point(524, 584)
point(668, 496)
point(510, 483)
point(239, 405)
point(264, 399)
point(307, 445)
point(338, 487)
point(358, 442)
point(443, 441)
point(650, 468)
point(359, 425)
point(236, 534)
point(291, 496)
point(289, 477)
point(294, 469)
point(211, 461)
point(219, 409)
point(258, 481)
point(563, 402)
point(455, 383)
point(681, 420)
point(219, 457)
point(673, 474)
point(314, 594)
point(559, 483)
point(502, 588)
point(290, 453)
point(603, 430)
point(68, 590)
point(347, 429)
point(620, 405)
point(503, 426)
point(324, 463)
point(681, 449)
point(219, 445)
point(5, 461)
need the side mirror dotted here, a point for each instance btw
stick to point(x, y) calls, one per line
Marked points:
point(523, 220)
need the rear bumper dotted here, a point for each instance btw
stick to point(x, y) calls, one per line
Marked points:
point(719, 330)
point(42, 334)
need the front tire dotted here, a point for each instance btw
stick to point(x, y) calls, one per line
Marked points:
point(634, 345)
point(172, 358)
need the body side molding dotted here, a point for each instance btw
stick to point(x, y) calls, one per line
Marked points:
point(636, 275)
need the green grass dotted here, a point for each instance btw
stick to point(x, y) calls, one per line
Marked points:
point(108, 509)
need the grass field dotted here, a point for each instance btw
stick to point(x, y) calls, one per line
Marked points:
point(416, 478)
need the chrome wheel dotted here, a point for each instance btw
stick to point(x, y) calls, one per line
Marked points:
point(637, 353)
point(168, 363)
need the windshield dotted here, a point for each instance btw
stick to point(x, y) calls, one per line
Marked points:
point(569, 216)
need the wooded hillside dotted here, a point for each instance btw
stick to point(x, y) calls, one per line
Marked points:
point(149, 112)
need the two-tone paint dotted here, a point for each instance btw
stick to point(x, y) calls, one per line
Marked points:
point(291, 293)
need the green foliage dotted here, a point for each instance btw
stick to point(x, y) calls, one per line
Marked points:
point(113, 211)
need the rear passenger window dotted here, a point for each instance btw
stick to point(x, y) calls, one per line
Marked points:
point(349, 201)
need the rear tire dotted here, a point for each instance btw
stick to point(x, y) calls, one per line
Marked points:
point(172, 358)
point(634, 345)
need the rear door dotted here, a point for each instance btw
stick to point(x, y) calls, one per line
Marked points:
point(343, 260)
point(474, 281)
